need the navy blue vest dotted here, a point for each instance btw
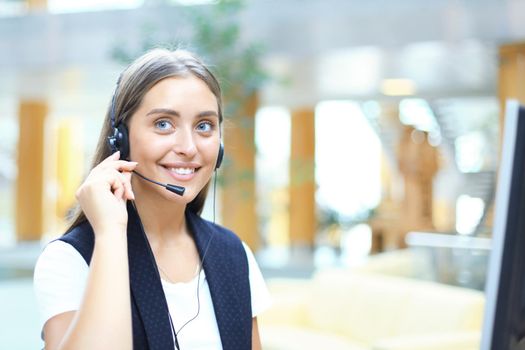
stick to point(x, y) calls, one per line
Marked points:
point(226, 268)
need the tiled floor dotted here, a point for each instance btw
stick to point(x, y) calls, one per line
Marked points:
point(18, 315)
point(19, 318)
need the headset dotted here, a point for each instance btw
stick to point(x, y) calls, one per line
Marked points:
point(119, 141)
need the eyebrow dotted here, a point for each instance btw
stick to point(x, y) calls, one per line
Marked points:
point(163, 111)
point(177, 114)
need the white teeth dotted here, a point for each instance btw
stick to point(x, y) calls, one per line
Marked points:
point(183, 171)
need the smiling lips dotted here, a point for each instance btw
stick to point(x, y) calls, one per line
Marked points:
point(182, 173)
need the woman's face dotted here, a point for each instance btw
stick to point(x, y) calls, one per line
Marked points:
point(175, 137)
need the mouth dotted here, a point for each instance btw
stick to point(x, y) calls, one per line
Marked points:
point(183, 172)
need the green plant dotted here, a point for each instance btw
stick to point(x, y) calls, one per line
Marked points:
point(215, 36)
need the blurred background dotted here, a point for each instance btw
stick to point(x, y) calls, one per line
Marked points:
point(362, 143)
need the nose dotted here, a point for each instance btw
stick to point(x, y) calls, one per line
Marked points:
point(185, 143)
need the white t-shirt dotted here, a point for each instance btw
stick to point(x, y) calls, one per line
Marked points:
point(60, 279)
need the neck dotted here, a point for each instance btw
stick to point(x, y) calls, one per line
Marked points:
point(163, 220)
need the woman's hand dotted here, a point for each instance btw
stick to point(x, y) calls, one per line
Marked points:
point(104, 193)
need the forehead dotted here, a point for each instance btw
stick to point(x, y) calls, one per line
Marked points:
point(181, 89)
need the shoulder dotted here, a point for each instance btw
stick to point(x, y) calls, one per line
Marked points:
point(260, 296)
point(56, 254)
point(82, 238)
point(57, 259)
point(59, 278)
point(79, 232)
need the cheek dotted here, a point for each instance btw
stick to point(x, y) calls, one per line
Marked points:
point(144, 145)
point(209, 149)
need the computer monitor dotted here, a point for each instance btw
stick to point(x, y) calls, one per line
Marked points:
point(504, 321)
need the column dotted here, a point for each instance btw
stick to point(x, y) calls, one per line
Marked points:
point(30, 222)
point(303, 219)
point(238, 174)
point(511, 85)
point(511, 80)
point(36, 5)
point(70, 164)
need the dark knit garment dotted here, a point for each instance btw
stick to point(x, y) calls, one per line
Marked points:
point(226, 268)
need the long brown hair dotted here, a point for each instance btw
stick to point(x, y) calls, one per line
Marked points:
point(134, 82)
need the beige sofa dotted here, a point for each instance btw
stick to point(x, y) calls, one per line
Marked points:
point(360, 309)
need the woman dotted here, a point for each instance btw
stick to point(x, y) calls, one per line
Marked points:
point(138, 267)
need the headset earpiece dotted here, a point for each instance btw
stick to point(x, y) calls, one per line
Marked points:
point(119, 141)
point(220, 156)
point(123, 136)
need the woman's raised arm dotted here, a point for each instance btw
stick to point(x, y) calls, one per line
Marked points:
point(103, 320)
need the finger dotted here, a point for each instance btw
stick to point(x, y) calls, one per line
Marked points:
point(117, 187)
point(119, 193)
point(125, 180)
point(127, 183)
point(122, 178)
point(111, 157)
point(121, 165)
point(118, 165)
point(114, 178)
point(124, 165)
point(108, 160)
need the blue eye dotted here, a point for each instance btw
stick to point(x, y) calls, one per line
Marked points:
point(205, 127)
point(163, 125)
